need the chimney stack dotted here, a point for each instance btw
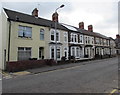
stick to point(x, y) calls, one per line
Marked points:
point(55, 17)
point(35, 12)
point(81, 25)
point(90, 28)
point(117, 36)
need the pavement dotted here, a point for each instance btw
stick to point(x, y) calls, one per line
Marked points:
point(8, 75)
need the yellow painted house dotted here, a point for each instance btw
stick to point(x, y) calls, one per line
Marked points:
point(28, 37)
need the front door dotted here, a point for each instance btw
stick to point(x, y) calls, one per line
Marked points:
point(41, 53)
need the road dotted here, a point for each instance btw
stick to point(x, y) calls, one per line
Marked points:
point(0, 83)
point(98, 76)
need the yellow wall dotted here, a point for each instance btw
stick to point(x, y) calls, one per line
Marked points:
point(33, 42)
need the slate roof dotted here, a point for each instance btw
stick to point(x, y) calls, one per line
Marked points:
point(102, 36)
point(84, 31)
point(95, 34)
point(25, 18)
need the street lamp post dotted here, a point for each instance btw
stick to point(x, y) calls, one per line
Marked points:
point(56, 33)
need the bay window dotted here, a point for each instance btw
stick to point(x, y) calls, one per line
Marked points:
point(53, 38)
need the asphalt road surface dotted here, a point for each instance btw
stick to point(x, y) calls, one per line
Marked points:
point(0, 83)
point(98, 76)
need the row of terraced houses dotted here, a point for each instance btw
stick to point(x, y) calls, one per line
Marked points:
point(29, 36)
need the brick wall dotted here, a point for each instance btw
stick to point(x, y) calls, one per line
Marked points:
point(28, 64)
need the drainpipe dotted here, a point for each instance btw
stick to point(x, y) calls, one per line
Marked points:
point(9, 37)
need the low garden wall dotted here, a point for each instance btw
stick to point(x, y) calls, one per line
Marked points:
point(14, 66)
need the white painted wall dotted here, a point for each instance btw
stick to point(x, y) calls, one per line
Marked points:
point(0, 35)
point(3, 36)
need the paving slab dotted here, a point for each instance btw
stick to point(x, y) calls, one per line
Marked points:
point(20, 73)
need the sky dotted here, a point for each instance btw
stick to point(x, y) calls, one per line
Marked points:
point(103, 15)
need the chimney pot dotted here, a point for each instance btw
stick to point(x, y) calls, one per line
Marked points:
point(81, 25)
point(35, 12)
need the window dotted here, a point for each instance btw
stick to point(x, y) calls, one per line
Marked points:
point(24, 31)
point(52, 35)
point(92, 40)
point(65, 52)
point(100, 41)
point(58, 52)
point(107, 42)
point(24, 53)
point(87, 51)
point(81, 39)
point(73, 51)
point(65, 37)
point(86, 40)
point(57, 36)
point(97, 41)
point(72, 37)
point(97, 51)
point(75, 38)
point(52, 52)
point(77, 52)
point(104, 41)
point(42, 34)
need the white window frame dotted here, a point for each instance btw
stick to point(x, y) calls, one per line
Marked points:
point(58, 36)
point(81, 38)
point(24, 31)
point(59, 53)
point(65, 37)
point(86, 39)
point(71, 37)
point(52, 30)
point(92, 40)
point(74, 36)
point(53, 47)
point(72, 51)
point(42, 30)
point(77, 52)
point(53, 35)
point(25, 49)
point(89, 40)
point(66, 50)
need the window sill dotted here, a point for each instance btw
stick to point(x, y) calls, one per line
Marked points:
point(81, 43)
point(55, 41)
point(25, 38)
point(42, 40)
point(74, 42)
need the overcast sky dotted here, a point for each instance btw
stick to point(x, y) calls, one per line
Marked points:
point(102, 15)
